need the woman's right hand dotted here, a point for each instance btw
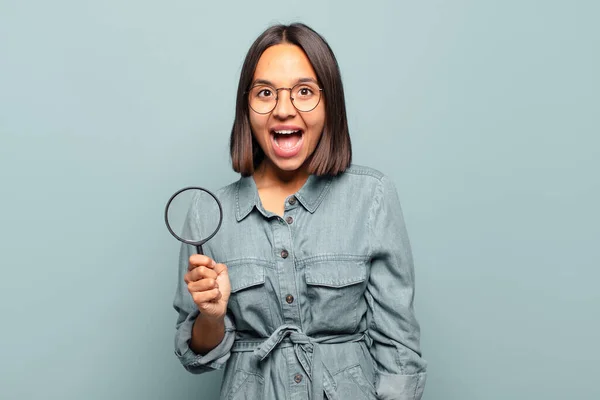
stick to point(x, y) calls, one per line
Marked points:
point(208, 283)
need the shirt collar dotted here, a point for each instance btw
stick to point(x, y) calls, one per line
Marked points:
point(310, 195)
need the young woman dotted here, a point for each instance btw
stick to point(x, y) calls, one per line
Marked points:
point(307, 290)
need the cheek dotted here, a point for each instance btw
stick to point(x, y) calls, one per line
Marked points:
point(257, 124)
point(317, 123)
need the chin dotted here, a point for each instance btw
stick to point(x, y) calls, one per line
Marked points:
point(290, 165)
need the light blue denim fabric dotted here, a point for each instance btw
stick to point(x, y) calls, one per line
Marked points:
point(322, 299)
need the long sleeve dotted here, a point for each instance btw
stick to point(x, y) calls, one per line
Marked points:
point(188, 312)
point(393, 329)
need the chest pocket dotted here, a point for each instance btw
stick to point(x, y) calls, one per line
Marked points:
point(248, 302)
point(335, 291)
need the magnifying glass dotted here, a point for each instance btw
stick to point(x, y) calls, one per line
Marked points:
point(193, 215)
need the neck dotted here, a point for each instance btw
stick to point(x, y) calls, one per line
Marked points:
point(268, 175)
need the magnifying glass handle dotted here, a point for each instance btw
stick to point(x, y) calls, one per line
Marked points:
point(199, 249)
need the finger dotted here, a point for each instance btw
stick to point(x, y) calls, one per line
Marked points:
point(199, 273)
point(202, 285)
point(200, 259)
point(204, 297)
point(220, 268)
point(219, 295)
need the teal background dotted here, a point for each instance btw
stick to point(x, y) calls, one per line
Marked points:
point(484, 113)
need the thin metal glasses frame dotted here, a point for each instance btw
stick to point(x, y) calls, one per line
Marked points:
point(276, 90)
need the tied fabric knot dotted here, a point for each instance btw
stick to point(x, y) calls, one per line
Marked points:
point(307, 352)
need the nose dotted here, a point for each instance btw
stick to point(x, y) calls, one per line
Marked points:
point(284, 107)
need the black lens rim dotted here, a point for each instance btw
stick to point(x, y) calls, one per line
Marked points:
point(193, 243)
point(276, 90)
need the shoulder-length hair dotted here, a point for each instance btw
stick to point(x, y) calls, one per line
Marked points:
point(334, 151)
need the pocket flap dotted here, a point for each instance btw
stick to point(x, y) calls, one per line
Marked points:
point(243, 276)
point(336, 274)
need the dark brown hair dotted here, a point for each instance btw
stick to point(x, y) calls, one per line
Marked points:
point(334, 151)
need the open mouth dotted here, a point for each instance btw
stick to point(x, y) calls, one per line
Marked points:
point(287, 139)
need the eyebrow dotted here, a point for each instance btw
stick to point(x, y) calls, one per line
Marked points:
point(269, 83)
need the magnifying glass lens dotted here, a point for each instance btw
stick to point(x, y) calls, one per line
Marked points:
point(193, 215)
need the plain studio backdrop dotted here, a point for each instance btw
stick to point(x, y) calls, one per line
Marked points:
point(484, 113)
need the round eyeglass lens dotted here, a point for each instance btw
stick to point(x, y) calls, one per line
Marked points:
point(304, 96)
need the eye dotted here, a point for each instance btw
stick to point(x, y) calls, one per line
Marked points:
point(264, 92)
point(305, 91)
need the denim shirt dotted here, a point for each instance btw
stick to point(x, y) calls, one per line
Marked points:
point(321, 299)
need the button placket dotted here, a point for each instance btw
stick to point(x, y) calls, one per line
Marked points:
point(285, 270)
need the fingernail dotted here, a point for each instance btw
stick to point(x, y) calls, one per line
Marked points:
point(213, 263)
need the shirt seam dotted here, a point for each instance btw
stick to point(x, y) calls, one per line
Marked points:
point(253, 260)
point(377, 200)
point(328, 257)
point(358, 170)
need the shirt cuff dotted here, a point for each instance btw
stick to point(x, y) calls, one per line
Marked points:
point(400, 387)
point(214, 359)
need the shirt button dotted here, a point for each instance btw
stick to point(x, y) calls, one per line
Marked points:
point(289, 299)
point(284, 254)
point(292, 201)
point(289, 220)
point(297, 378)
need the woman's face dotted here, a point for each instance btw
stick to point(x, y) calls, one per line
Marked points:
point(287, 136)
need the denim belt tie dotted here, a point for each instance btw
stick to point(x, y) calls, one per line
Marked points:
point(307, 352)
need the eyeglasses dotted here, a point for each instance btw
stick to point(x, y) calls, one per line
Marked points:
point(263, 98)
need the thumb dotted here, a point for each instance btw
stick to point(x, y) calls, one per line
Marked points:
point(220, 269)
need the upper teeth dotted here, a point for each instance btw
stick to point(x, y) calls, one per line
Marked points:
point(285, 132)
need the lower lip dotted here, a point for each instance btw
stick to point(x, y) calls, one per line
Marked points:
point(287, 153)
